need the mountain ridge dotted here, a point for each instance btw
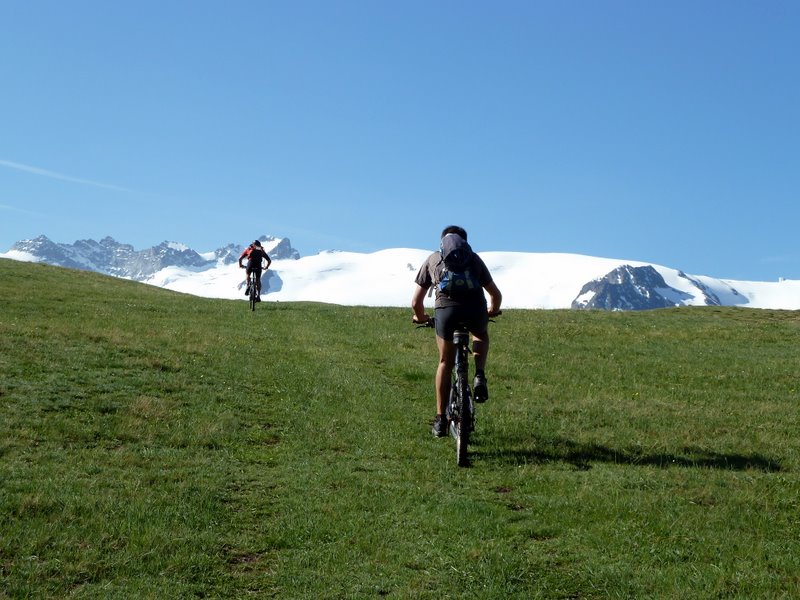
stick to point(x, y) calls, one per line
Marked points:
point(385, 277)
point(121, 260)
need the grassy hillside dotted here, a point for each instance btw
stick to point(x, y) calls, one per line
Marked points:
point(156, 445)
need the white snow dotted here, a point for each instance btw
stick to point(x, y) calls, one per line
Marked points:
point(386, 278)
point(784, 294)
point(20, 256)
point(527, 280)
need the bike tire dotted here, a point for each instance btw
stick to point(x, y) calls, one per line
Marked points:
point(253, 295)
point(464, 423)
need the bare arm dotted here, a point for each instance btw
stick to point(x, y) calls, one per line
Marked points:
point(418, 304)
point(495, 298)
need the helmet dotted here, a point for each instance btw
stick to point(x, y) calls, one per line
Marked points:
point(257, 243)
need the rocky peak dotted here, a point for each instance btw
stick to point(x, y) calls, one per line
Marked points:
point(121, 260)
point(281, 249)
point(628, 288)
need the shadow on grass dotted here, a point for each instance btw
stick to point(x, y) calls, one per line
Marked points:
point(582, 455)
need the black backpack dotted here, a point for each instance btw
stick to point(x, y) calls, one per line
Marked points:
point(459, 277)
point(256, 258)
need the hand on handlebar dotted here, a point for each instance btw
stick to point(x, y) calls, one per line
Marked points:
point(428, 322)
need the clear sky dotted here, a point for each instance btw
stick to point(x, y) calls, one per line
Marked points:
point(664, 132)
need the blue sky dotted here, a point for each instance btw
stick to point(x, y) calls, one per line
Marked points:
point(665, 132)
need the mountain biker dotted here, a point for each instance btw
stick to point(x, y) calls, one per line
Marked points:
point(254, 254)
point(469, 308)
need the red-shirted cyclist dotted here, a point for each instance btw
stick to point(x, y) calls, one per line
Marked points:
point(255, 256)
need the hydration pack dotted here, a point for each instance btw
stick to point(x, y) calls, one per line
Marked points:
point(458, 276)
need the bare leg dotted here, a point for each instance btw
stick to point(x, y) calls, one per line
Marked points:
point(480, 350)
point(444, 373)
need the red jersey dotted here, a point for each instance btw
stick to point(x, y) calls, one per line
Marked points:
point(255, 256)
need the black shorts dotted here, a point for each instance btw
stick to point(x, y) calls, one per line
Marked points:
point(473, 317)
point(255, 271)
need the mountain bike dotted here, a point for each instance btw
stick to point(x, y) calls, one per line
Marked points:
point(252, 289)
point(460, 409)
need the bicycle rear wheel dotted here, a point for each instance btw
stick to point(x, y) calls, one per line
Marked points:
point(463, 423)
point(253, 296)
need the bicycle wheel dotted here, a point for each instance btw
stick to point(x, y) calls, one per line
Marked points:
point(253, 296)
point(464, 422)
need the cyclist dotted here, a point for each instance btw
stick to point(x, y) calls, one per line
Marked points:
point(469, 308)
point(254, 254)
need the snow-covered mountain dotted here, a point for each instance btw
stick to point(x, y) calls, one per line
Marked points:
point(121, 260)
point(385, 278)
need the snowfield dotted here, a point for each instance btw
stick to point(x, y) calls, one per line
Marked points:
point(386, 278)
point(527, 280)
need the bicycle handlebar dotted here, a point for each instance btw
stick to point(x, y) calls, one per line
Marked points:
point(431, 322)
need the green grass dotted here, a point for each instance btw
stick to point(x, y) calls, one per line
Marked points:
point(157, 445)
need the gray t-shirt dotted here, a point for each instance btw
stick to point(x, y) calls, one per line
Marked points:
point(430, 274)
